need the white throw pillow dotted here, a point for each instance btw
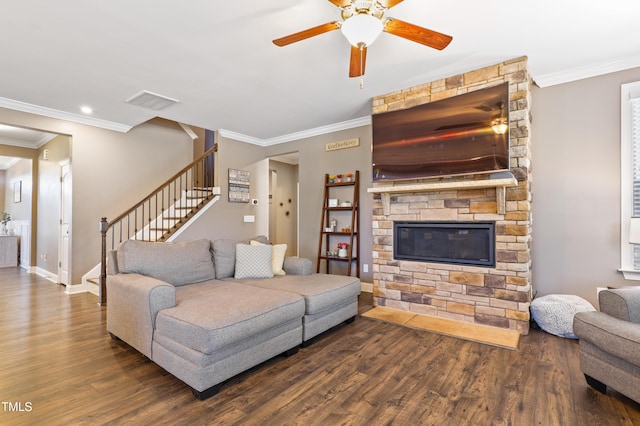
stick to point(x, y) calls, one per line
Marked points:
point(277, 260)
point(253, 261)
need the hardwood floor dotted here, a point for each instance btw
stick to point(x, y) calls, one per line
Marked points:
point(58, 366)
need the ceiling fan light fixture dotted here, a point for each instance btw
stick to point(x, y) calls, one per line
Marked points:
point(362, 29)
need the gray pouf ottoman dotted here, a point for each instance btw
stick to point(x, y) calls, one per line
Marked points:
point(554, 313)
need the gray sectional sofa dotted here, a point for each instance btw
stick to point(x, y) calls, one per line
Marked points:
point(610, 342)
point(206, 311)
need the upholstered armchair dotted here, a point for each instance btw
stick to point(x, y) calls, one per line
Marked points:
point(610, 342)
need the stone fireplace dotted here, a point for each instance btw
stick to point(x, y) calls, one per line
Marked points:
point(496, 291)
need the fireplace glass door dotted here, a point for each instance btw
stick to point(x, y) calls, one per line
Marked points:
point(461, 243)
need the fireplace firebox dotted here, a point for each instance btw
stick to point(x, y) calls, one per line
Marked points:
point(460, 243)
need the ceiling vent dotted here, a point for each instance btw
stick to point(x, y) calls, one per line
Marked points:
point(151, 100)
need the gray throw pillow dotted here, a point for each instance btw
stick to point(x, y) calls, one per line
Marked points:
point(224, 254)
point(253, 261)
point(175, 263)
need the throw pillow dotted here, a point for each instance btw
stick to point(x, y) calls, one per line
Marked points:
point(277, 260)
point(224, 255)
point(253, 261)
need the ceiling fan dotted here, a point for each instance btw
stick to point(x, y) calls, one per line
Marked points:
point(362, 22)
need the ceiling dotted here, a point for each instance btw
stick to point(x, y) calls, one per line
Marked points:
point(218, 61)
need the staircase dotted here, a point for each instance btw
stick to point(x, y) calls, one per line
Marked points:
point(166, 225)
point(161, 215)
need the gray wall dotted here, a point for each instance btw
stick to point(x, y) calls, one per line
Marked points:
point(576, 185)
point(315, 161)
point(48, 217)
point(22, 172)
point(225, 219)
point(110, 172)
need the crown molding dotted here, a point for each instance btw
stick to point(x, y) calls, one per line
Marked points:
point(240, 137)
point(322, 130)
point(317, 131)
point(588, 71)
point(46, 137)
point(61, 115)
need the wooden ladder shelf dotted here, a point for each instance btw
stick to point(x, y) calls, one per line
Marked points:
point(340, 235)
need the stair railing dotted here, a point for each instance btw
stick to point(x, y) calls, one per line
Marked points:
point(161, 213)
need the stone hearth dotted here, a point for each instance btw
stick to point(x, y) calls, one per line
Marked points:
point(497, 296)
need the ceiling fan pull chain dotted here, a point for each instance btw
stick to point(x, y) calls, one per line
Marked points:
point(361, 46)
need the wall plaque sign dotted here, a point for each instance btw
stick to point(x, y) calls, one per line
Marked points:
point(347, 143)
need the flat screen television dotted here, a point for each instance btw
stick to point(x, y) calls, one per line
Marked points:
point(452, 136)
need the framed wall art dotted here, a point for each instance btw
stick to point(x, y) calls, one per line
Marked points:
point(17, 191)
point(238, 186)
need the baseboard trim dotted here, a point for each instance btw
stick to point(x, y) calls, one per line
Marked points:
point(366, 287)
point(75, 289)
point(44, 274)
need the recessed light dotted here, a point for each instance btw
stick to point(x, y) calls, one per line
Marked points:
point(86, 110)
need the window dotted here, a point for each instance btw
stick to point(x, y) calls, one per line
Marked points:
point(630, 174)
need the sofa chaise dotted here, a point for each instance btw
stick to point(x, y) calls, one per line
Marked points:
point(206, 311)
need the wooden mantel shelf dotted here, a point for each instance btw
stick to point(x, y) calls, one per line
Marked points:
point(500, 184)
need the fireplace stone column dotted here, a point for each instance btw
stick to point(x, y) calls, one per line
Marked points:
point(498, 296)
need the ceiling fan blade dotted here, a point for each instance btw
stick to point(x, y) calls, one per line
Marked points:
point(342, 3)
point(388, 3)
point(418, 34)
point(302, 35)
point(358, 61)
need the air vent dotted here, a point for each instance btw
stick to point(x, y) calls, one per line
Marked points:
point(151, 100)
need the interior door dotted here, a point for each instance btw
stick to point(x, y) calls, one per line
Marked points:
point(65, 222)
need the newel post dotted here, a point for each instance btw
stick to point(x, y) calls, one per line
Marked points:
point(104, 227)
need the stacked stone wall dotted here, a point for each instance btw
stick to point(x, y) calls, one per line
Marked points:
point(497, 296)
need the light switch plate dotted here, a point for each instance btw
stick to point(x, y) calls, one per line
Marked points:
point(249, 218)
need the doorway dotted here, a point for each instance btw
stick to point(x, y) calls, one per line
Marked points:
point(37, 214)
point(284, 201)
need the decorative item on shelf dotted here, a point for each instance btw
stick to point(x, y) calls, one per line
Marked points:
point(333, 202)
point(345, 204)
point(338, 178)
point(331, 178)
point(6, 218)
point(333, 225)
point(348, 177)
point(347, 229)
point(342, 249)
